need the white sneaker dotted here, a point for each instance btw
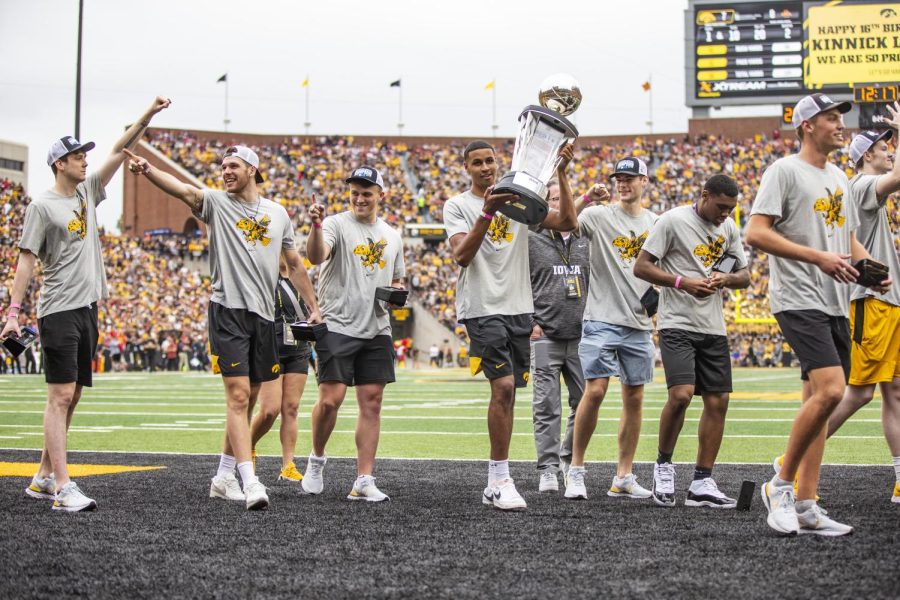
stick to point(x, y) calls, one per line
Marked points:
point(575, 488)
point(503, 495)
point(43, 489)
point(813, 520)
point(779, 501)
point(364, 488)
point(549, 482)
point(226, 487)
point(71, 499)
point(312, 482)
point(664, 484)
point(705, 492)
point(628, 487)
point(257, 499)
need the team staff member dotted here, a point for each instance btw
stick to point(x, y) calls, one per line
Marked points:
point(617, 332)
point(802, 218)
point(359, 252)
point(61, 229)
point(293, 362)
point(493, 299)
point(686, 253)
point(875, 320)
point(559, 286)
point(247, 234)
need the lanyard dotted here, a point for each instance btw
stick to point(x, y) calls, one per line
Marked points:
point(298, 310)
point(568, 247)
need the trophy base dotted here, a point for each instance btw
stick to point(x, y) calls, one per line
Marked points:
point(531, 207)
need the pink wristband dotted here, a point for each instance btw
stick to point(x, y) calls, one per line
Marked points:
point(317, 226)
point(677, 282)
point(14, 305)
point(487, 216)
point(586, 199)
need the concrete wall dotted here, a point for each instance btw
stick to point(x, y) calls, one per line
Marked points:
point(16, 153)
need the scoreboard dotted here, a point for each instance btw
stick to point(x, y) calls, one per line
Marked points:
point(767, 52)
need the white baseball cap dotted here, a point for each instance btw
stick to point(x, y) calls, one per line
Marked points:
point(810, 106)
point(248, 156)
point(66, 145)
point(864, 140)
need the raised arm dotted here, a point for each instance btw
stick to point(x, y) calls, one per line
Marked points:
point(597, 194)
point(761, 235)
point(889, 183)
point(565, 219)
point(187, 193)
point(129, 138)
point(24, 271)
point(300, 278)
point(317, 251)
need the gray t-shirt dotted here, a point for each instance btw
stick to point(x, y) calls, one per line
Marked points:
point(497, 281)
point(616, 239)
point(363, 256)
point(874, 233)
point(245, 241)
point(62, 232)
point(690, 246)
point(810, 207)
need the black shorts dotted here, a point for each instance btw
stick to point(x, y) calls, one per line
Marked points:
point(353, 361)
point(819, 339)
point(293, 359)
point(242, 344)
point(69, 344)
point(500, 346)
point(699, 359)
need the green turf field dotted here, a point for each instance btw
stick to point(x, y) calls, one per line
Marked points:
point(427, 414)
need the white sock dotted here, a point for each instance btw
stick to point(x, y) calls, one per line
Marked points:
point(778, 482)
point(498, 470)
point(319, 459)
point(804, 505)
point(896, 461)
point(247, 475)
point(576, 468)
point(362, 480)
point(226, 465)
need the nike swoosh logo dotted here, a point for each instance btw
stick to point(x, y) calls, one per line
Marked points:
point(235, 364)
point(500, 365)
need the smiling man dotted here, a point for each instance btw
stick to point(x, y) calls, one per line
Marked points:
point(493, 298)
point(61, 229)
point(693, 252)
point(358, 252)
point(247, 235)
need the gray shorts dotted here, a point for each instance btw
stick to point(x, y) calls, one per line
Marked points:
point(608, 350)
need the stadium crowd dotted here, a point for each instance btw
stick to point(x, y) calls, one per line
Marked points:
point(154, 305)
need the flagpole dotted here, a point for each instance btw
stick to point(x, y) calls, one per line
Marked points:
point(306, 123)
point(400, 108)
point(650, 122)
point(494, 109)
point(226, 120)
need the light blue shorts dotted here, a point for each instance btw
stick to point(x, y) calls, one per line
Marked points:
point(608, 350)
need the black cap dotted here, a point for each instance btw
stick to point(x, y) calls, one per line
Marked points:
point(65, 146)
point(630, 165)
point(367, 175)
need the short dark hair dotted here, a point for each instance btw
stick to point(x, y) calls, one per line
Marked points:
point(861, 162)
point(476, 145)
point(720, 184)
point(54, 169)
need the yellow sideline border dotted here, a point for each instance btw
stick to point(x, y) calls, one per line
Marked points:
point(738, 297)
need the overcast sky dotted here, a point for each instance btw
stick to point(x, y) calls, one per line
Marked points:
point(444, 52)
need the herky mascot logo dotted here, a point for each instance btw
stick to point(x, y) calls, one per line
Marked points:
point(629, 246)
point(255, 231)
point(371, 254)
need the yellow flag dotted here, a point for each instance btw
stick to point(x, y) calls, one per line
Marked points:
point(490, 84)
point(305, 82)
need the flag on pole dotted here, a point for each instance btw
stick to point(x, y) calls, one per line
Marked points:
point(646, 86)
point(222, 78)
point(490, 85)
point(395, 83)
point(305, 82)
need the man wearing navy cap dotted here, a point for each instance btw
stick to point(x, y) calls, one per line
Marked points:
point(358, 252)
point(61, 229)
point(803, 220)
point(875, 320)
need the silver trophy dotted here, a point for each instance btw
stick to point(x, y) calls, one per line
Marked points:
point(543, 130)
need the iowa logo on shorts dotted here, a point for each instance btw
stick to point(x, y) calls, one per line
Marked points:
point(499, 231)
point(276, 368)
point(255, 231)
point(371, 254)
point(629, 246)
point(78, 225)
point(711, 251)
point(831, 208)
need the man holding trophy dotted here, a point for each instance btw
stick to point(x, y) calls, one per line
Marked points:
point(488, 231)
